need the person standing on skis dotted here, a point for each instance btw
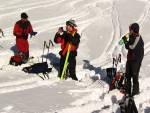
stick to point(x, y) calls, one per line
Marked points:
point(135, 47)
point(21, 30)
point(65, 38)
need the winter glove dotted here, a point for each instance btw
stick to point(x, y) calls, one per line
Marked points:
point(33, 33)
point(127, 46)
point(25, 36)
point(126, 42)
point(124, 39)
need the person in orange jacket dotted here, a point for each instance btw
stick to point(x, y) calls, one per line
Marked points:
point(64, 38)
point(21, 30)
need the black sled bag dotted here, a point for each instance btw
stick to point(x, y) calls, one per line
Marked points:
point(38, 68)
point(15, 60)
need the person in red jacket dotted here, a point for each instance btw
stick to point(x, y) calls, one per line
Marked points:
point(64, 38)
point(21, 30)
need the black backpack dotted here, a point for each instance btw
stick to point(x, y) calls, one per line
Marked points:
point(38, 68)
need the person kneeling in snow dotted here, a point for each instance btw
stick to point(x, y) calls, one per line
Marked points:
point(70, 35)
point(135, 47)
point(21, 30)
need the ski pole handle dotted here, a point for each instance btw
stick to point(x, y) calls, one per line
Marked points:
point(51, 43)
point(43, 50)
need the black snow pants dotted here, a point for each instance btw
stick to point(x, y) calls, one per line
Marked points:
point(132, 71)
point(71, 66)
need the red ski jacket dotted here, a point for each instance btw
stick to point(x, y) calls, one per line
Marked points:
point(65, 40)
point(22, 28)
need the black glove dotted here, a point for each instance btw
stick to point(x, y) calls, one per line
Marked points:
point(33, 34)
point(124, 39)
point(127, 46)
point(126, 42)
point(25, 36)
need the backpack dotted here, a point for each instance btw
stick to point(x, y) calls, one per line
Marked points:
point(15, 60)
point(117, 79)
point(119, 82)
point(41, 67)
point(38, 68)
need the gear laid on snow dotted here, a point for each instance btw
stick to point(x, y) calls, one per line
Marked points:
point(40, 67)
point(128, 105)
point(116, 79)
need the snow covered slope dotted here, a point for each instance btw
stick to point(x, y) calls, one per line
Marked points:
point(101, 24)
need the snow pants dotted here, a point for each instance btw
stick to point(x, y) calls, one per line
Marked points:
point(72, 66)
point(23, 46)
point(132, 71)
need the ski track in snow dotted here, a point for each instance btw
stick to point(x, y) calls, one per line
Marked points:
point(79, 13)
point(33, 7)
point(145, 16)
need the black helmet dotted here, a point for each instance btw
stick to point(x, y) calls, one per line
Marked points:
point(71, 23)
point(24, 15)
point(135, 27)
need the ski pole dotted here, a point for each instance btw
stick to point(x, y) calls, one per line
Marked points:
point(118, 60)
point(52, 43)
point(48, 50)
point(43, 50)
point(3, 34)
point(113, 69)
